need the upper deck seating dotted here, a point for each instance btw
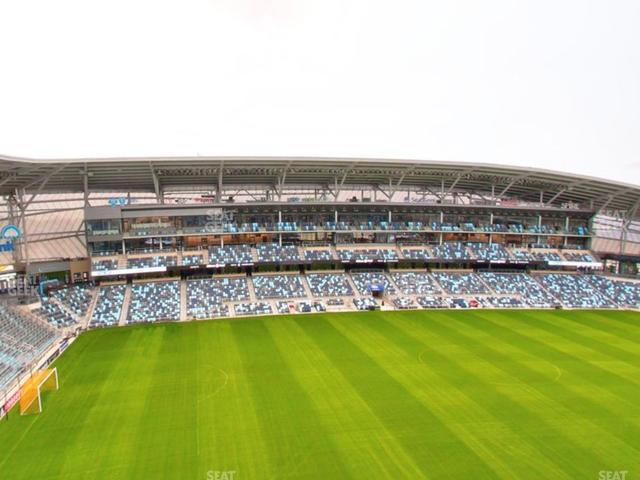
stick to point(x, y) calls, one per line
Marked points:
point(317, 255)
point(417, 254)
point(489, 252)
point(523, 255)
point(154, 301)
point(367, 255)
point(274, 253)
point(152, 262)
point(329, 285)
point(193, 259)
point(546, 256)
point(578, 257)
point(450, 251)
point(104, 265)
point(231, 255)
point(412, 283)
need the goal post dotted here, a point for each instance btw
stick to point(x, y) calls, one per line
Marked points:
point(31, 391)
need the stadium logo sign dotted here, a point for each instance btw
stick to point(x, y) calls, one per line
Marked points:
point(221, 475)
point(118, 201)
point(7, 236)
point(612, 474)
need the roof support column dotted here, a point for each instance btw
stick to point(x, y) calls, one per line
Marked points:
point(23, 225)
point(220, 178)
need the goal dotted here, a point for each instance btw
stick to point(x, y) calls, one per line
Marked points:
point(31, 391)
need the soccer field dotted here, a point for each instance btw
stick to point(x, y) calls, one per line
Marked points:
point(422, 394)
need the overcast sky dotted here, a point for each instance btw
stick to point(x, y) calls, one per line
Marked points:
point(549, 84)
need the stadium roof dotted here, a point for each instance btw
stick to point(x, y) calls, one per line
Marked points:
point(164, 174)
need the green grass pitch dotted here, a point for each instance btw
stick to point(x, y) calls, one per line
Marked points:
point(423, 394)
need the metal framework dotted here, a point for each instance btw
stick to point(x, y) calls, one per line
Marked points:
point(34, 189)
point(221, 175)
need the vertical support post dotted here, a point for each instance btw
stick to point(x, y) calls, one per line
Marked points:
point(23, 226)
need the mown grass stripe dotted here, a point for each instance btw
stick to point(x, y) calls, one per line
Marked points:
point(392, 402)
point(296, 441)
point(495, 425)
point(599, 413)
point(371, 447)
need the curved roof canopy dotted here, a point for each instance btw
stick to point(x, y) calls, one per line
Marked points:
point(175, 173)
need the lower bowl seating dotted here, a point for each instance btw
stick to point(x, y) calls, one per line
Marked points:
point(278, 286)
point(457, 283)
point(329, 285)
point(109, 305)
point(154, 301)
point(256, 308)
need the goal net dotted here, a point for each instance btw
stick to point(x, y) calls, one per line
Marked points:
point(31, 392)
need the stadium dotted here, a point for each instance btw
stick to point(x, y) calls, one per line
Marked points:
point(247, 317)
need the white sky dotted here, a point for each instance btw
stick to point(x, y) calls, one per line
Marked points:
point(550, 84)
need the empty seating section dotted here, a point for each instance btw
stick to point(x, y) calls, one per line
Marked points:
point(55, 314)
point(154, 301)
point(450, 251)
point(23, 339)
point(365, 303)
point(494, 252)
point(458, 283)
point(104, 265)
point(282, 307)
point(189, 260)
point(575, 291)
point(430, 301)
point(412, 283)
point(278, 286)
point(109, 305)
point(252, 308)
point(205, 297)
point(274, 253)
point(578, 257)
point(521, 255)
point(140, 230)
point(76, 298)
point(404, 303)
point(318, 255)
point(530, 291)
point(368, 281)
point(232, 255)
point(500, 302)
point(546, 256)
point(329, 285)
point(367, 255)
point(417, 254)
point(624, 293)
point(308, 306)
point(152, 262)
